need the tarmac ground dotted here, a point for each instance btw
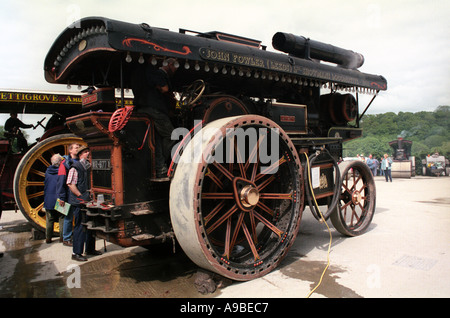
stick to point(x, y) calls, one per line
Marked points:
point(402, 255)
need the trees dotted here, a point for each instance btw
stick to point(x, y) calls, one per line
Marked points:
point(429, 132)
point(367, 145)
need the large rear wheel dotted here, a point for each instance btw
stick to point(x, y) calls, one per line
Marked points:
point(30, 175)
point(236, 197)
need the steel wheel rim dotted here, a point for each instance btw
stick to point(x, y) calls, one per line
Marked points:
point(244, 227)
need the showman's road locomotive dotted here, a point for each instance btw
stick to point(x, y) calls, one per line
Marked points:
point(255, 141)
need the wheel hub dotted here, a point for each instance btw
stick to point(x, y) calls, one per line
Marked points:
point(356, 197)
point(246, 194)
point(249, 196)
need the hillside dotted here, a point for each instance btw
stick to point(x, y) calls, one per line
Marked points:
point(429, 132)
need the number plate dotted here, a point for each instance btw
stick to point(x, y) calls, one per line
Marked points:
point(101, 164)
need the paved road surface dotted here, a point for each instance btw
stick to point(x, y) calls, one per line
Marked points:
point(404, 254)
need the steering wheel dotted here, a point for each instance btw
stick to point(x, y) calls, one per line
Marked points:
point(192, 93)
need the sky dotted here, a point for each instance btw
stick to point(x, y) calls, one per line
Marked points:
point(406, 41)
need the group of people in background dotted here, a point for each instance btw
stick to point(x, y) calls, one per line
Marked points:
point(67, 181)
point(378, 168)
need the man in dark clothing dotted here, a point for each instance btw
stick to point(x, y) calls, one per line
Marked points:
point(12, 126)
point(62, 190)
point(79, 191)
point(152, 90)
point(50, 196)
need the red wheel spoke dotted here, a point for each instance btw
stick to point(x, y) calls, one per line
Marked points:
point(357, 180)
point(254, 170)
point(364, 186)
point(253, 226)
point(272, 227)
point(351, 215)
point(363, 210)
point(217, 195)
point(214, 178)
point(266, 182)
point(346, 178)
point(250, 241)
point(346, 205)
point(230, 159)
point(345, 211)
point(254, 153)
point(226, 215)
point(235, 233)
point(265, 208)
point(271, 168)
point(227, 239)
point(354, 214)
point(224, 171)
point(239, 160)
point(276, 196)
point(214, 212)
point(347, 189)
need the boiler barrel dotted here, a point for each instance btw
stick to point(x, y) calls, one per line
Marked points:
point(298, 46)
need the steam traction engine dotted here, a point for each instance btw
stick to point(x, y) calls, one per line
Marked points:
point(403, 165)
point(255, 141)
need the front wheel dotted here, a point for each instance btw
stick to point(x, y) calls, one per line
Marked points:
point(236, 197)
point(356, 205)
